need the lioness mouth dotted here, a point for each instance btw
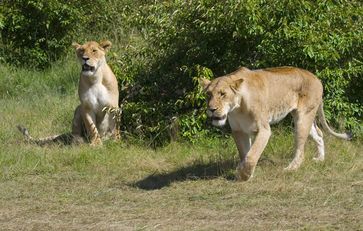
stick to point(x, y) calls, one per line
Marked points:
point(86, 67)
point(219, 117)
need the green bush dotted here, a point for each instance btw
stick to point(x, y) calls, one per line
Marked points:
point(35, 33)
point(324, 37)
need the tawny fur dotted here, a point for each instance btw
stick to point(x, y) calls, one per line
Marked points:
point(97, 89)
point(251, 100)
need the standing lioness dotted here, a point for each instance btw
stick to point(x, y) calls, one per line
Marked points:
point(252, 100)
point(97, 89)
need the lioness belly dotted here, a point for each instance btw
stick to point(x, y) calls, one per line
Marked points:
point(281, 106)
point(278, 116)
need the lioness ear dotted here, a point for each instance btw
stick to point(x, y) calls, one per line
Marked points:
point(76, 45)
point(204, 83)
point(105, 44)
point(236, 84)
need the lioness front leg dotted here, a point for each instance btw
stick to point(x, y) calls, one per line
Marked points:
point(243, 143)
point(89, 120)
point(247, 166)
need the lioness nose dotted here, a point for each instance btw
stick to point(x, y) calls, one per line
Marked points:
point(85, 58)
point(212, 109)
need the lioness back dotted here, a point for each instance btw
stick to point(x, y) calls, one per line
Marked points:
point(280, 90)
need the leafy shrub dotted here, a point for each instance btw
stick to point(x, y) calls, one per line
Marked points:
point(35, 33)
point(324, 37)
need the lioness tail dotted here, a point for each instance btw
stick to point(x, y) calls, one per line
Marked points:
point(321, 116)
point(63, 138)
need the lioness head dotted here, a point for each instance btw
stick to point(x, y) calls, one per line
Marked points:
point(91, 55)
point(221, 97)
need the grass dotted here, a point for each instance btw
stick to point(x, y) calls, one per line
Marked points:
point(126, 186)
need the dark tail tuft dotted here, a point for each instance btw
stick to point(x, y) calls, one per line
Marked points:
point(350, 135)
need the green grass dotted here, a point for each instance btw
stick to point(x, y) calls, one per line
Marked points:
point(127, 186)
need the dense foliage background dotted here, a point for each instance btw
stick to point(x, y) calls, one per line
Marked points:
point(163, 47)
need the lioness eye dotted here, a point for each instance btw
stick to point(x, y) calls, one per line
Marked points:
point(222, 94)
point(94, 50)
point(209, 95)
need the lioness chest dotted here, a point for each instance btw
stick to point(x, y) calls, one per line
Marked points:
point(96, 97)
point(239, 121)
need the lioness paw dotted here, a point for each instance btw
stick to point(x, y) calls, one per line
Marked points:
point(291, 168)
point(96, 142)
point(244, 171)
point(318, 159)
point(242, 176)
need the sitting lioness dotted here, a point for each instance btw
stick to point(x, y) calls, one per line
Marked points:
point(251, 100)
point(97, 89)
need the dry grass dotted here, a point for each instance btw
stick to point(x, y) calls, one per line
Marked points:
point(123, 186)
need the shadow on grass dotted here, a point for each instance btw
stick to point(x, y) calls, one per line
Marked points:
point(194, 172)
point(197, 171)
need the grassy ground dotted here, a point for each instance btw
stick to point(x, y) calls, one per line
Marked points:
point(125, 186)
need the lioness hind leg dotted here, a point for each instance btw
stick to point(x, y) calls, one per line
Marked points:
point(113, 129)
point(302, 121)
point(317, 136)
point(107, 127)
point(78, 128)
